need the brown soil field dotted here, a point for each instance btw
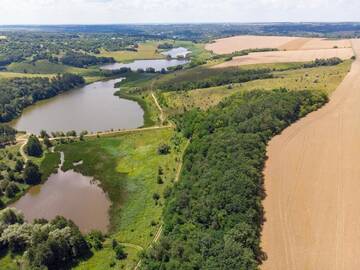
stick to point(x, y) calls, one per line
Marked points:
point(238, 43)
point(312, 182)
point(286, 57)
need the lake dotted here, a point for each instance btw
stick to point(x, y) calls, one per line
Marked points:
point(176, 52)
point(157, 64)
point(71, 195)
point(92, 107)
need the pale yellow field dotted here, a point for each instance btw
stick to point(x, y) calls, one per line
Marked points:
point(287, 56)
point(2, 37)
point(238, 43)
point(312, 185)
point(9, 75)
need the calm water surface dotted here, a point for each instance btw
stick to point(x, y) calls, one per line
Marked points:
point(68, 194)
point(144, 64)
point(92, 107)
point(176, 52)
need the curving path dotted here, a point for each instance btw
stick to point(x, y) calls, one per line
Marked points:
point(312, 181)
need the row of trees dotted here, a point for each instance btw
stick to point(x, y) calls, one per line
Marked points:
point(213, 215)
point(324, 62)
point(18, 93)
point(7, 134)
point(218, 79)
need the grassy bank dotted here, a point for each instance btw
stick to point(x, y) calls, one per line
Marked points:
point(127, 167)
point(325, 79)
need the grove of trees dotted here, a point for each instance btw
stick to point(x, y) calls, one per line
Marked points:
point(213, 216)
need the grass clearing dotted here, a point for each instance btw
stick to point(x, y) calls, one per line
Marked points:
point(321, 78)
point(127, 167)
point(42, 67)
point(145, 51)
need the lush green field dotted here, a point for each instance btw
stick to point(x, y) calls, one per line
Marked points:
point(127, 167)
point(42, 67)
point(325, 79)
point(145, 51)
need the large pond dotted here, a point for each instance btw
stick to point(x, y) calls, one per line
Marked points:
point(177, 52)
point(71, 195)
point(157, 64)
point(92, 107)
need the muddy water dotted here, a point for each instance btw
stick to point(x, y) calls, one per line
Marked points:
point(69, 194)
point(92, 107)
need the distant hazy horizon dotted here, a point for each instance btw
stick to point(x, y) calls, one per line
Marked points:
point(55, 12)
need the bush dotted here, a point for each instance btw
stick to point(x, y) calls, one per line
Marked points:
point(31, 175)
point(33, 147)
point(163, 149)
point(120, 253)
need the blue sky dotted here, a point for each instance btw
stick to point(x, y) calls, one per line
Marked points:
point(162, 11)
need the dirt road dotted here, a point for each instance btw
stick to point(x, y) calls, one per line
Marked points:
point(312, 180)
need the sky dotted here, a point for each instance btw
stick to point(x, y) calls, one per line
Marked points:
point(175, 11)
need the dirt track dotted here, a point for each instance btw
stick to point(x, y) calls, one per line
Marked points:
point(312, 180)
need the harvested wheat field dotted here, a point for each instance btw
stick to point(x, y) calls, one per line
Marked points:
point(312, 181)
point(286, 57)
point(238, 43)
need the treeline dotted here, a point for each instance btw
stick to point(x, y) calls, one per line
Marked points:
point(324, 62)
point(213, 216)
point(223, 78)
point(7, 134)
point(165, 46)
point(18, 93)
point(82, 60)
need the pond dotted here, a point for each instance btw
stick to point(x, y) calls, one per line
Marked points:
point(157, 64)
point(177, 52)
point(71, 195)
point(92, 107)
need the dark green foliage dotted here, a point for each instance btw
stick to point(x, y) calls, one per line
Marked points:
point(33, 147)
point(47, 142)
point(120, 253)
point(31, 173)
point(213, 216)
point(11, 190)
point(163, 149)
point(7, 133)
point(220, 78)
point(165, 46)
point(324, 62)
point(95, 239)
point(19, 165)
point(18, 93)
point(81, 60)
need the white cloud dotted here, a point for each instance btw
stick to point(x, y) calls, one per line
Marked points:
point(149, 11)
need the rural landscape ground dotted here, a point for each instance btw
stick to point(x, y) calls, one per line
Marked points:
point(245, 156)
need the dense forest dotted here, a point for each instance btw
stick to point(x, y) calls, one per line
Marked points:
point(18, 93)
point(213, 216)
point(81, 60)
